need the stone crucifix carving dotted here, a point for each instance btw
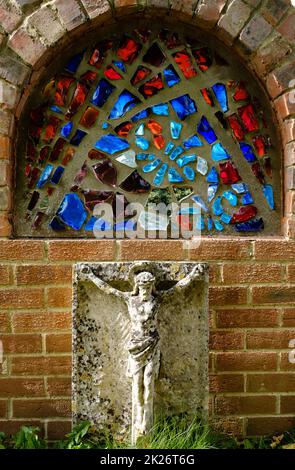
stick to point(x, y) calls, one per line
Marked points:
point(143, 303)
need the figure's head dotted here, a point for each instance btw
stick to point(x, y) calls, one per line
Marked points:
point(145, 282)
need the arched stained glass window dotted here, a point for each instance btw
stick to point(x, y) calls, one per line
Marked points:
point(148, 115)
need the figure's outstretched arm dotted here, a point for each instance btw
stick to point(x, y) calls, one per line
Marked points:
point(86, 274)
point(196, 273)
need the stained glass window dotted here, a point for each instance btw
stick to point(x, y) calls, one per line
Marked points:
point(152, 115)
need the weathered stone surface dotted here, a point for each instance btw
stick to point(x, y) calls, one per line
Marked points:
point(29, 48)
point(104, 330)
point(70, 13)
point(6, 122)
point(269, 55)
point(234, 19)
point(46, 23)
point(96, 7)
point(287, 28)
point(274, 10)
point(10, 15)
point(281, 79)
point(13, 71)
point(256, 31)
point(8, 94)
point(209, 11)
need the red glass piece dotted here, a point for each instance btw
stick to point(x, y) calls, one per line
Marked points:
point(260, 145)
point(123, 129)
point(143, 34)
point(203, 58)
point(228, 173)
point(38, 220)
point(256, 169)
point(241, 93)
point(31, 151)
point(105, 171)
point(152, 87)
point(37, 115)
point(62, 88)
point(96, 154)
point(35, 133)
point(236, 127)
point(51, 128)
point(34, 176)
point(249, 120)
point(134, 183)
point(141, 73)
point(267, 166)
point(184, 62)
point(171, 39)
point(69, 154)
point(99, 54)
point(96, 197)
point(243, 214)
point(58, 147)
point(78, 99)
point(89, 117)
point(28, 169)
point(112, 74)
point(184, 222)
point(44, 154)
point(128, 50)
point(50, 190)
point(159, 141)
point(88, 78)
point(207, 96)
point(33, 201)
point(154, 127)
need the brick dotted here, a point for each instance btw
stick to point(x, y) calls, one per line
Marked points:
point(290, 227)
point(209, 11)
point(287, 404)
point(5, 173)
point(3, 409)
point(5, 275)
point(41, 408)
point(269, 425)
point(289, 154)
point(9, 94)
point(7, 122)
point(247, 318)
point(285, 105)
point(70, 13)
point(274, 10)
point(21, 344)
point(4, 323)
point(244, 405)
point(234, 19)
point(286, 358)
point(287, 27)
point(59, 297)
point(59, 386)
point(5, 226)
point(271, 383)
point(218, 249)
point(281, 250)
point(21, 298)
point(214, 273)
point(251, 273)
point(246, 361)
point(5, 146)
point(223, 383)
point(29, 48)
point(58, 343)
point(270, 54)
point(272, 294)
point(52, 365)
point(21, 250)
point(290, 202)
point(5, 199)
point(95, 8)
point(288, 130)
point(274, 339)
point(280, 79)
point(58, 429)
point(253, 3)
point(185, 7)
point(12, 426)
point(82, 250)
point(255, 33)
point(12, 70)
point(219, 296)
point(16, 387)
point(228, 425)
point(43, 274)
point(10, 16)
point(291, 273)
point(41, 322)
point(226, 340)
point(45, 21)
point(152, 250)
point(288, 317)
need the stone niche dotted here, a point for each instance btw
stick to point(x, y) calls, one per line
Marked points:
point(102, 389)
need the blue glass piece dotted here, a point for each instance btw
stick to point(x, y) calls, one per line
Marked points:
point(206, 130)
point(226, 218)
point(142, 143)
point(218, 225)
point(247, 151)
point(103, 90)
point(120, 65)
point(45, 175)
point(57, 175)
point(168, 148)
point(56, 224)
point(161, 109)
point(158, 179)
point(218, 152)
point(78, 137)
point(212, 176)
point(189, 211)
point(125, 225)
point(209, 224)
point(105, 125)
point(171, 76)
point(185, 160)
point(90, 224)
point(174, 176)
point(140, 129)
point(72, 211)
point(149, 167)
point(111, 144)
point(141, 115)
point(189, 173)
point(56, 109)
point(212, 190)
point(217, 206)
point(247, 198)
point(268, 193)
point(176, 152)
point(239, 188)
point(183, 106)
point(192, 141)
point(202, 166)
point(199, 201)
point(67, 129)
point(74, 62)
point(230, 197)
point(124, 103)
point(221, 95)
point(142, 156)
point(200, 222)
point(175, 129)
point(254, 225)
point(151, 157)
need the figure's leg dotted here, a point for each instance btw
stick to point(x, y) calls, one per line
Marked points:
point(138, 400)
point(148, 380)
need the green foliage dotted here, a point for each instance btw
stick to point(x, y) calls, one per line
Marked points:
point(27, 438)
point(79, 438)
point(2, 440)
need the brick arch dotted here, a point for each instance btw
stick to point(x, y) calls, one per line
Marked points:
point(263, 36)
